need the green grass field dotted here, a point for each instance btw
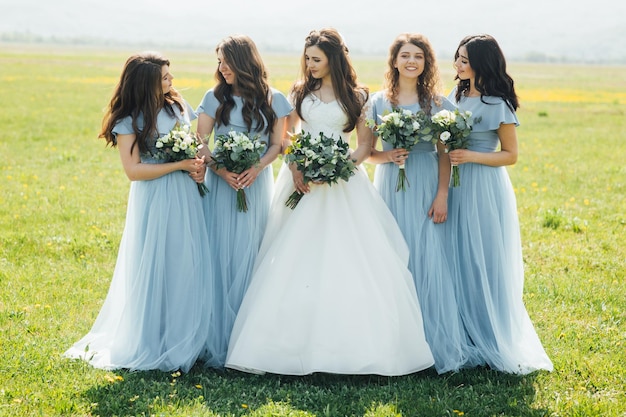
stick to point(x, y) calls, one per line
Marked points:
point(62, 206)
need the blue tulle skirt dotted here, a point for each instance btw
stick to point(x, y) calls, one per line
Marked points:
point(488, 272)
point(235, 237)
point(156, 314)
point(428, 259)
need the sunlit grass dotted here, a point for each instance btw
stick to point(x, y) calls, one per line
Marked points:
point(572, 96)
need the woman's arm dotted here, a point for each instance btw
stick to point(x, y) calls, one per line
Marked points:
point(204, 129)
point(137, 171)
point(364, 142)
point(439, 209)
point(275, 144)
point(292, 126)
point(247, 177)
point(506, 156)
point(397, 155)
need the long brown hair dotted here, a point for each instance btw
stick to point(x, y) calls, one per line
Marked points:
point(487, 60)
point(350, 95)
point(140, 93)
point(428, 82)
point(243, 58)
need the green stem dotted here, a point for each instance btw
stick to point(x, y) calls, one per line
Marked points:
point(402, 181)
point(242, 204)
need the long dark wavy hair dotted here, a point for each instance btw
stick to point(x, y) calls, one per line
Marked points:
point(350, 95)
point(487, 60)
point(244, 60)
point(140, 92)
point(428, 82)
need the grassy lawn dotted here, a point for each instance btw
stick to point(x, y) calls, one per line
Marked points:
point(62, 206)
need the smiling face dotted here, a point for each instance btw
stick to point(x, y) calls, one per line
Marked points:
point(166, 79)
point(225, 70)
point(462, 65)
point(316, 62)
point(410, 61)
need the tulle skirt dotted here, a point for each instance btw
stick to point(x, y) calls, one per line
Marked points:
point(488, 272)
point(331, 291)
point(428, 259)
point(156, 314)
point(235, 237)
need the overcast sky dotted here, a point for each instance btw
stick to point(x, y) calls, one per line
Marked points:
point(588, 30)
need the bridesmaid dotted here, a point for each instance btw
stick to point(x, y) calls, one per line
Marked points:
point(156, 314)
point(412, 83)
point(242, 100)
point(483, 227)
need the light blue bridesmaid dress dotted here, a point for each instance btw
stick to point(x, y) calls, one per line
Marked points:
point(156, 314)
point(484, 241)
point(427, 243)
point(235, 236)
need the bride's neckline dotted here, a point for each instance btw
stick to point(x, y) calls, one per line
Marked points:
point(316, 98)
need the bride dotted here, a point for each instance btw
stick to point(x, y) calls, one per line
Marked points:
point(330, 291)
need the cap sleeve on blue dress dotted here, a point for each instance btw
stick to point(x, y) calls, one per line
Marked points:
point(209, 104)
point(280, 104)
point(445, 104)
point(495, 113)
point(379, 104)
point(123, 127)
point(190, 111)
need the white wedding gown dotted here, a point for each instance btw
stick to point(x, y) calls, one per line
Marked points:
point(331, 291)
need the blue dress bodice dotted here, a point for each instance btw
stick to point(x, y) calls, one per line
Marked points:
point(165, 123)
point(488, 115)
point(210, 104)
point(380, 104)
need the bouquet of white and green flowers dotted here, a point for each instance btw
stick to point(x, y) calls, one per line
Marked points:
point(237, 151)
point(452, 128)
point(179, 144)
point(401, 128)
point(321, 159)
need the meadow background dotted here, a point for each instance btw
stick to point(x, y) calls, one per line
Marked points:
point(62, 206)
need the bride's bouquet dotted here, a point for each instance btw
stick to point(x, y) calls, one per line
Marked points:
point(237, 151)
point(179, 144)
point(452, 128)
point(401, 128)
point(321, 159)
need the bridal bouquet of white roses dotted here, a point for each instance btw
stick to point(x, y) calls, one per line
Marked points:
point(452, 128)
point(237, 151)
point(179, 144)
point(401, 128)
point(321, 159)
